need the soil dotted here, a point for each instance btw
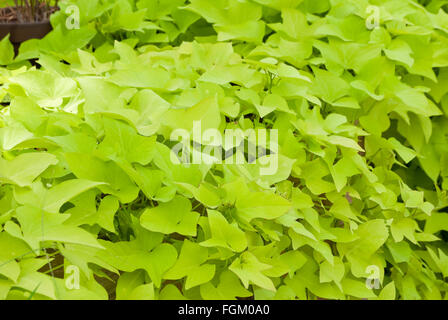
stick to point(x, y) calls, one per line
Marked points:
point(26, 15)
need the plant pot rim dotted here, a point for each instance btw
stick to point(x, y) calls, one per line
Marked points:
point(16, 23)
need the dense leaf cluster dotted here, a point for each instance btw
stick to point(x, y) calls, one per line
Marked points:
point(360, 192)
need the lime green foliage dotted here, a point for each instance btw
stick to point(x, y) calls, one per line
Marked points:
point(360, 195)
